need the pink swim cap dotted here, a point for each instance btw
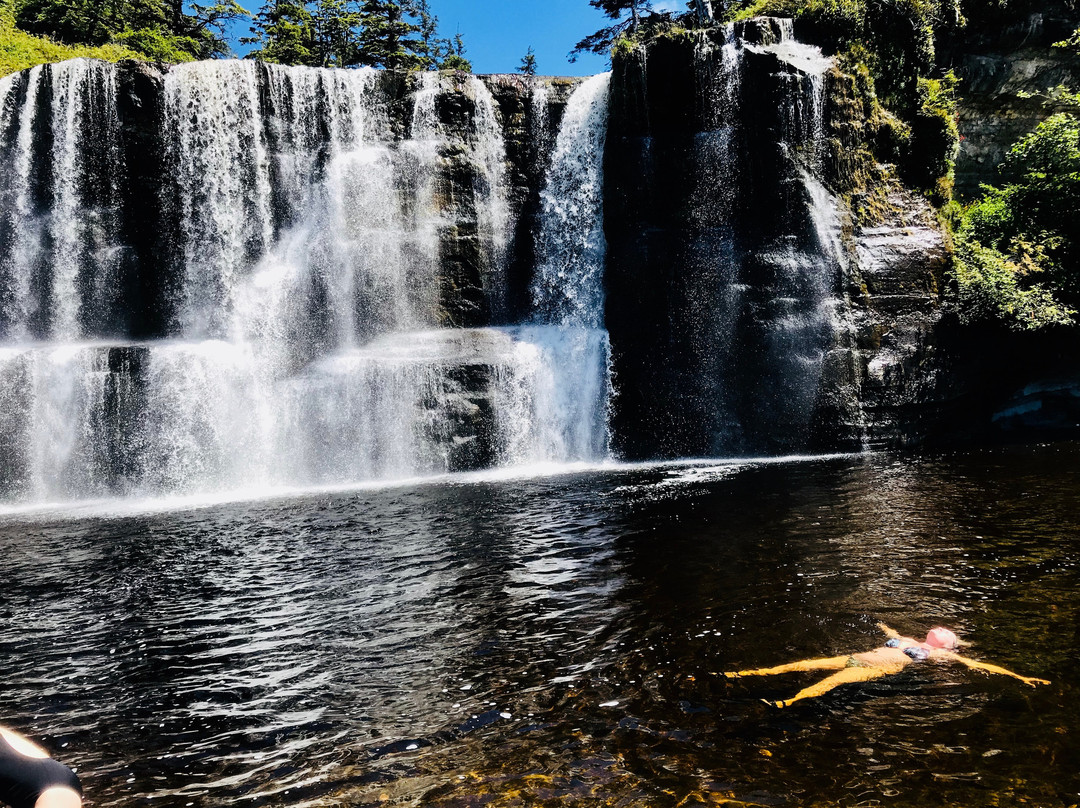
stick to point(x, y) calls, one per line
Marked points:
point(941, 638)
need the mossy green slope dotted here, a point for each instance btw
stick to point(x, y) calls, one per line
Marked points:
point(19, 50)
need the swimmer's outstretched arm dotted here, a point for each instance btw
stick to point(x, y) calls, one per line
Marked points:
point(891, 633)
point(986, 666)
point(822, 664)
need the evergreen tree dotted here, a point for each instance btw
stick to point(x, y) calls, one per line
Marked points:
point(451, 54)
point(206, 26)
point(386, 37)
point(429, 26)
point(335, 25)
point(395, 34)
point(601, 41)
point(285, 33)
point(528, 63)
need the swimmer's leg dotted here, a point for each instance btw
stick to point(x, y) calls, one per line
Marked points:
point(823, 664)
point(59, 797)
point(844, 677)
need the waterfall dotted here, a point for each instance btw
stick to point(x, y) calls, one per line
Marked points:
point(716, 289)
point(217, 151)
point(539, 103)
point(722, 262)
point(802, 262)
point(60, 270)
point(314, 244)
point(493, 213)
point(227, 275)
point(21, 226)
point(568, 289)
point(804, 118)
point(561, 381)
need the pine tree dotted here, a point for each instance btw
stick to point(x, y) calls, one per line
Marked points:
point(601, 41)
point(429, 27)
point(451, 54)
point(206, 27)
point(386, 38)
point(285, 33)
point(528, 63)
point(336, 40)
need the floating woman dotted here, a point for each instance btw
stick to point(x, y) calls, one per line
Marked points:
point(895, 655)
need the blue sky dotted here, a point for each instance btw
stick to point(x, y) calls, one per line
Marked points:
point(497, 33)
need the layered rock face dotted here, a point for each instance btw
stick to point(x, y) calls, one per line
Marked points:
point(1008, 74)
point(771, 289)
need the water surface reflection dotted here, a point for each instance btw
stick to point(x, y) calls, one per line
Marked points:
point(554, 641)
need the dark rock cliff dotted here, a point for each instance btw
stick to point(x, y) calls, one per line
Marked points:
point(1007, 76)
point(730, 224)
point(758, 301)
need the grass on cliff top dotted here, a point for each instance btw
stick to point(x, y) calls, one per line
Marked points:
point(20, 50)
point(768, 8)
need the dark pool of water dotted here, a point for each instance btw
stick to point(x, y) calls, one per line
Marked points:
point(555, 641)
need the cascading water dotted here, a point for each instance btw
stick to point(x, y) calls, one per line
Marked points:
point(799, 319)
point(306, 239)
point(60, 265)
point(568, 289)
point(355, 275)
point(222, 188)
point(565, 348)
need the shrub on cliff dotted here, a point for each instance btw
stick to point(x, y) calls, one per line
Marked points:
point(164, 30)
point(995, 287)
point(1018, 256)
point(895, 38)
point(935, 138)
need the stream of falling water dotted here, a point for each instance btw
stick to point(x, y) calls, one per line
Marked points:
point(305, 343)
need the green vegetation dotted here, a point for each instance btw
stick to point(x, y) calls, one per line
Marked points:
point(343, 34)
point(1017, 257)
point(602, 41)
point(340, 33)
point(385, 40)
point(895, 39)
point(168, 30)
point(322, 33)
point(20, 50)
point(528, 63)
point(892, 44)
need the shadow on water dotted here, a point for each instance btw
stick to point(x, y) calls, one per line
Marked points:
point(556, 641)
